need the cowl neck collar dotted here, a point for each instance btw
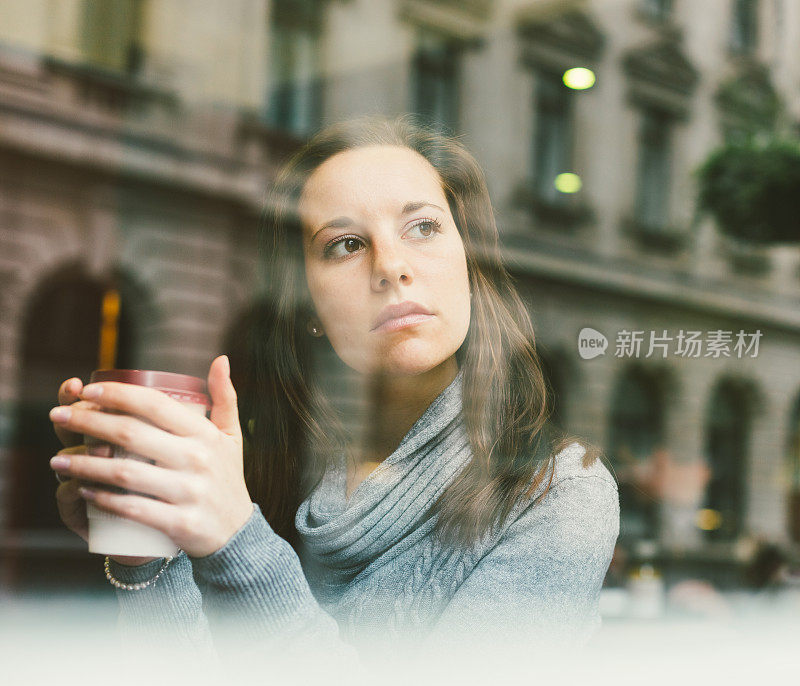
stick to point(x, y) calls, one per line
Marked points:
point(394, 500)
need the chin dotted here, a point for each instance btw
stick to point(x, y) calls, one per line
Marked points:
point(411, 358)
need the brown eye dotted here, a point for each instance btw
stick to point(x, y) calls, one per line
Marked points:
point(351, 241)
point(427, 227)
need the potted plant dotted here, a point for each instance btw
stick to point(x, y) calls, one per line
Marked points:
point(752, 190)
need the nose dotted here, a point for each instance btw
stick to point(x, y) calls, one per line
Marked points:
point(390, 266)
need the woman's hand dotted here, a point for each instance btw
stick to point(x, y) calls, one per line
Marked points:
point(71, 506)
point(198, 475)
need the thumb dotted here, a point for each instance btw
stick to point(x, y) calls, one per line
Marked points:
point(224, 406)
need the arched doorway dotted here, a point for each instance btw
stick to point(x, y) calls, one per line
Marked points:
point(636, 431)
point(793, 471)
point(72, 324)
point(727, 437)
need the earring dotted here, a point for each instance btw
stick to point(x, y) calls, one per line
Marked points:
point(313, 330)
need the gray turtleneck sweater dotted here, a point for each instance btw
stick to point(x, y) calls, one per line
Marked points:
point(370, 578)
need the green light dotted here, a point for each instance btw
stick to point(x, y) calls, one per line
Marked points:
point(568, 182)
point(579, 78)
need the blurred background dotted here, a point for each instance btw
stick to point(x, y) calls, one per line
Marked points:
point(644, 165)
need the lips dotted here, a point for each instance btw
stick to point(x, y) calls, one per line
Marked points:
point(399, 310)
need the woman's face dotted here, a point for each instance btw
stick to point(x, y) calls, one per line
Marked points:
point(392, 240)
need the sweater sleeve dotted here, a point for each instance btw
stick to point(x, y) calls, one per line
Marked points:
point(167, 615)
point(541, 582)
point(260, 606)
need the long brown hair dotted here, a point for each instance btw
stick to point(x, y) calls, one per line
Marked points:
point(291, 425)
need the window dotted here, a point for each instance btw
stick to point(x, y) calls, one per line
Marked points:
point(727, 434)
point(294, 101)
point(551, 43)
point(651, 209)
point(744, 25)
point(661, 84)
point(659, 10)
point(747, 102)
point(552, 152)
point(112, 34)
point(436, 68)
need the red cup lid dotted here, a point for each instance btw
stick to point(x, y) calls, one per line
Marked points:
point(193, 388)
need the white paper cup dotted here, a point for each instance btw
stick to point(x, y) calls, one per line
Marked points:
point(110, 534)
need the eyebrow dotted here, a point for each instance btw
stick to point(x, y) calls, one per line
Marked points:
point(342, 222)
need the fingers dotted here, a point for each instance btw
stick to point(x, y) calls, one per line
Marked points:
point(148, 403)
point(72, 450)
point(224, 407)
point(132, 475)
point(72, 508)
point(69, 390)
point(67, 492)
point(150, 512)
point(131, 433)
point(68, 394)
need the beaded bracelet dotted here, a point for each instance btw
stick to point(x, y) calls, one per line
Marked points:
point(138, 586)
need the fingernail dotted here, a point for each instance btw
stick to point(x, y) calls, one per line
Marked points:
point(59, 462)
point(87, 492)
point(92, 391)
point(60, 414)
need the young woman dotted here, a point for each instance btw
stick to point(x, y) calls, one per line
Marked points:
point(453, 513)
